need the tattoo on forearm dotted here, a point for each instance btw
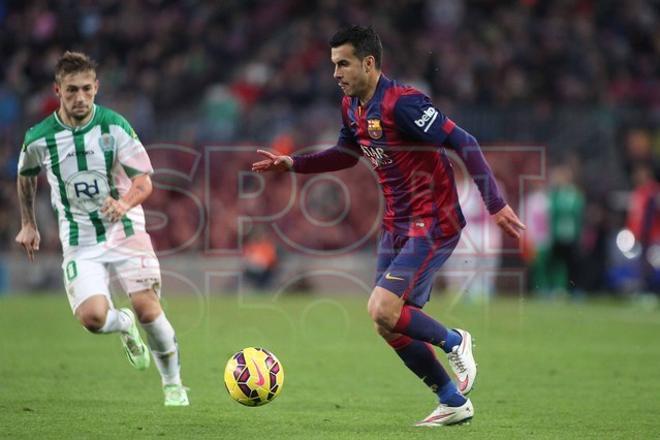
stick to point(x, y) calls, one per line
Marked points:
point(27, 190)
point(136, 195)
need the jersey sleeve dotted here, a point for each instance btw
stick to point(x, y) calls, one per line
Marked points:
point(346, 136)
point(343, 155)
point(467, 148)
point(31, 158)
point(131, 154)
point(418, 120)
point(333, 159)
point(421, 122)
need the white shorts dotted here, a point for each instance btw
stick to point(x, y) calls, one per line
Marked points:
point(87, 269)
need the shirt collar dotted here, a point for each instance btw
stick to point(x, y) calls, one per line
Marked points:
point(82, 127)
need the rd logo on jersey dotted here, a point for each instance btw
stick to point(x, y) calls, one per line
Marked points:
point(86, 190)
point(374, 128)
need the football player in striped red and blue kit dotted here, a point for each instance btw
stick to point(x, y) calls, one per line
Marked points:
point(402, 134)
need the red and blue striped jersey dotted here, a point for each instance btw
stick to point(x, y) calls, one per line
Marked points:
point(402, 134)
point(399, 131)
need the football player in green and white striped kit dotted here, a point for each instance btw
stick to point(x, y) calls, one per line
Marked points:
point(98, 171)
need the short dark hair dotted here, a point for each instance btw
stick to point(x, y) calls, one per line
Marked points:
point(73, 62)
point(364, 39)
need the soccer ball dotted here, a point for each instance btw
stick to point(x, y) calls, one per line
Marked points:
point(254, 376)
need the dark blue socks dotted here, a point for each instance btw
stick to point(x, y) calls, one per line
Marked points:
point(418, 325)
point(420, 358)
point(450, 396)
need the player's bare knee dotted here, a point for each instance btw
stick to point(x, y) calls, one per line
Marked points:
point(374, 309)
point(92, 313)
point(384, 308)
point(388, 321)
point(92, 321)
point(384, 332)
point(382, 315)
point(148, 314)
point(146, 305)
point(371, 307)
point(147, 311)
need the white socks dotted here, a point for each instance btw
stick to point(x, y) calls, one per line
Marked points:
point(162, 342)
point(115, 321)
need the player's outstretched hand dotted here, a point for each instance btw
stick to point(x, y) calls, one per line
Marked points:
point(29, 238)
point(509, 221)
point(272, 162)
point(113, 209)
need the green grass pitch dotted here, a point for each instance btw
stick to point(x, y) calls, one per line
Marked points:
point(546, 370)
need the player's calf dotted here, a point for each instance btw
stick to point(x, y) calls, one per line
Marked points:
point(164, 348)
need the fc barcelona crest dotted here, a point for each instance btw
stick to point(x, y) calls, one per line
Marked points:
point(374, 128)
point(107, 142)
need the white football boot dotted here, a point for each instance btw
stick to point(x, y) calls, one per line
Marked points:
point(462, 362)
point(445, 415)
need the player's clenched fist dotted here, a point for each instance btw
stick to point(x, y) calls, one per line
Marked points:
point(113, 209)
point(272, 162)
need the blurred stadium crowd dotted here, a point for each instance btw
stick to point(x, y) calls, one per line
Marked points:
point(579, 78)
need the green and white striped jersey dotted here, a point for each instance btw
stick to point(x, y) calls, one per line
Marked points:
point(84, 165)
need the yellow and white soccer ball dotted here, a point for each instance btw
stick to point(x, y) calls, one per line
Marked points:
point(254, 376)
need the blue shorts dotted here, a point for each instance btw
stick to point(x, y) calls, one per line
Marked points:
point(406, 265)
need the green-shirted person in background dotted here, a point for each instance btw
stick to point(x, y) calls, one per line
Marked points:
point(566, 214)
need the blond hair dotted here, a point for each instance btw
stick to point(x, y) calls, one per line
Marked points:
point(73, 62)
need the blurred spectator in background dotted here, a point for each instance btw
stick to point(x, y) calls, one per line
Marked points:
point(7, 190)
point(566, 215)
point(595, 235)
point(644, 222)
point(260, 259)
point(638, 149)
point(536, 242)
point(555, 73)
